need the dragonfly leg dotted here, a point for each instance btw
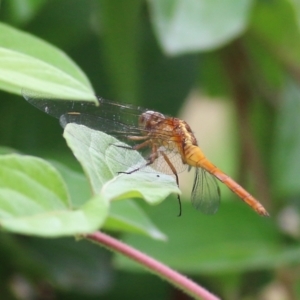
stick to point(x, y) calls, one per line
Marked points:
point(180, 208)
point(143, 145)
point(122, 146)
point(135, 147)
point(137, 138)
point(153, 156)
point(166, 158)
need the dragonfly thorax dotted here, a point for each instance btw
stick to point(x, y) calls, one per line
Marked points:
point(150, 119)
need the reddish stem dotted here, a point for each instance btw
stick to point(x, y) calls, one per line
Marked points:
point(180, 281)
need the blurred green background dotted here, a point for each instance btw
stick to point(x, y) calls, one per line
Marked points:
point(231, 69)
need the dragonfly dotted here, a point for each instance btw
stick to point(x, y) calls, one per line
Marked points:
point(170, 143)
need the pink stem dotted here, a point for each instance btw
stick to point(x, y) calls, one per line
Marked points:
point(153, 265)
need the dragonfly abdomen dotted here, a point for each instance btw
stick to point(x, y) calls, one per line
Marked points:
point(196, 158)
point(193, 155)
point(241, 192)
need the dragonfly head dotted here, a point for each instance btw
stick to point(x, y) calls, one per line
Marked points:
point(150, 118)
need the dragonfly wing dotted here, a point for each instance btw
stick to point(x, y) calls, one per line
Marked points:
point(106, 109)
point(56, 107)
point(117, 129)
point(174, 158)
point(206, 192)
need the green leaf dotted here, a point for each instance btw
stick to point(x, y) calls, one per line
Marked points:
point(34, 200)
point(124, 216)
point(234, 240)
point(193, 25)
point(127, 216)
point(28, 62)
point(77, 183)
point(102, 160)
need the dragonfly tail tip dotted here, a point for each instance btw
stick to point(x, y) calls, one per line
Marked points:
point(262, 211)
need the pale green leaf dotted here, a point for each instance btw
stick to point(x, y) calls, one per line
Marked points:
point(124, 216)
point(127, 216)
point(195, 25)
point(102, 161)
point(34, 200)
point(28, 62)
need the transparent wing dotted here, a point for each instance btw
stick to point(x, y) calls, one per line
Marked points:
point(206, 192)
point(117, 129)
point(175, 159)
point(113, 112)
point(116, 119)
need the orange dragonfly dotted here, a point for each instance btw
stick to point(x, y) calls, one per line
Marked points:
point(171, 143)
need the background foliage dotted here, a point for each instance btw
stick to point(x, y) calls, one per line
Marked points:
point(154, 53)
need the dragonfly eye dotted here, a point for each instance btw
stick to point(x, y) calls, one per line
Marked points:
point(150, 118)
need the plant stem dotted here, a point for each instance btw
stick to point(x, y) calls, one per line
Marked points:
point(154, 266)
